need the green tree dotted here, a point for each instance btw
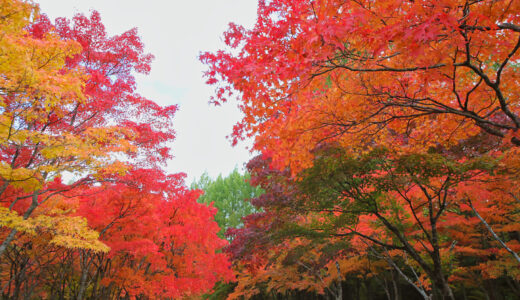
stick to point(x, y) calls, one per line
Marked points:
point(230, 196)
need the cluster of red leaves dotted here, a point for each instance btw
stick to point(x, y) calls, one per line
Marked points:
point(121, 228)
point(158, 233)
point(406, 74)
point(434, 83)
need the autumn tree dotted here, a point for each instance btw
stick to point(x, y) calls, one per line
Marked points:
point(275, 253)
point(407, 74)
point(69, 105)
point(121, 227)
point(389, 223)
point(266, 263)
point(163, 243)
point(434, 83)
point(396, 203)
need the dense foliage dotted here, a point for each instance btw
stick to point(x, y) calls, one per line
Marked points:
point(388, 166)
point(121, 228)
point(388, 133)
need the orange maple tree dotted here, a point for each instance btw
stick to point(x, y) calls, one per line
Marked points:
point(406, 74)
point(433, 82)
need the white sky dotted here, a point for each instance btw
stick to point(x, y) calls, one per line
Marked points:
point(175, 32)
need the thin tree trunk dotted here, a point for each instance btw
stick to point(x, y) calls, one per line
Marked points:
point(12, 234)
point(493, 233)
point(7, 241)
point(395, 285)
point(84, 274)
point(339, 295)
point(410, 281)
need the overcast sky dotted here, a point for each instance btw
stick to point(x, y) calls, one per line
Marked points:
point(175, 32)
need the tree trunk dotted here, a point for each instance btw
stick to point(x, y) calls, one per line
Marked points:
point(13, 232)
point(85, 263)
